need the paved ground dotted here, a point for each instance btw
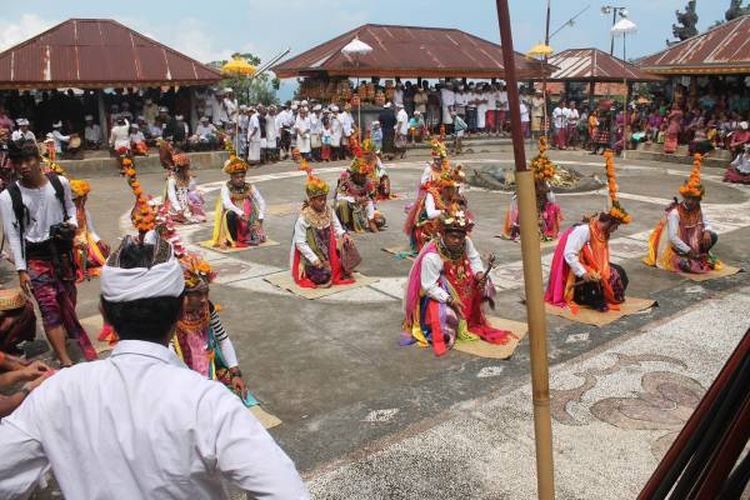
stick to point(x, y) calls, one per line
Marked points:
point(365, 418)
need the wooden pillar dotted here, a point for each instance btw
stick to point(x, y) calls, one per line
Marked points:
point(103, 121)
point(592, 95)
point(193, 109)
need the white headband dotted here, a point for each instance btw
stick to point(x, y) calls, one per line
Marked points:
point(161, 280)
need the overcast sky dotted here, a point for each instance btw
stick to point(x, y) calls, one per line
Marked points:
point(213, 30)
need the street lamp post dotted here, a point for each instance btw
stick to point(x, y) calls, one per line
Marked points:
point(611, 9)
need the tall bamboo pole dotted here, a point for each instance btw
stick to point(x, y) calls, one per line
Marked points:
point(532, 270)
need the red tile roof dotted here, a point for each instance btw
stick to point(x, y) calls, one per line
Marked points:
point(585, 65)
point(98, 53)
point(721, 50)
point(407, 51)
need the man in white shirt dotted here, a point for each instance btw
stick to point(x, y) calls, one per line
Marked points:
point(59, 137)
point(402, 129)
point(448, 102)
point(140, 423)
point(316, 132)
point(347, 128)
point(302, 128)
point(272, 134)
point(560, 122)
point(92, 133)
point(23, 133)
point(503, 107)
point(218, 112)
point(119, 136)
point(398, 94)
point(39, 220)
point(206, 133)
point(525, 119)
point(571, 134)
point(230, 105)
point(253, 137)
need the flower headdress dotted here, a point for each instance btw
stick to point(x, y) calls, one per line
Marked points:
point(79, 188)
point(198, 273)
point(315, 186)
point(438, 149)
point(616, 210)
point(455, 219)
point(181, 160)
point(234, 163)
point(541, 165)
point(50, 160)
point(368, 145)
point(693, 187)
point(143, 215)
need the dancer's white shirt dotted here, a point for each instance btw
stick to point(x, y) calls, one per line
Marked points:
point(432, 268)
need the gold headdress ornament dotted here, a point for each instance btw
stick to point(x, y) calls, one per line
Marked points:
point(50, 160)
point(79, 188)
point(438, 149)
point(455, 219)
point(693, 187)
point(541, 165)
point(234, 163)
point(315, 186)
point(197, 272)
point(616, 210)
point(368, 145)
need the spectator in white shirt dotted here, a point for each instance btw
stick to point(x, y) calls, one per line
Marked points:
point(140, 423)
point(525, 119)
point(502, 108)
point(571, 134)
point(59, 137)
point(402, 130)
point(448, 100)
point(92, 133)
point(119, 136)
point(23, 133)
point(560, 122)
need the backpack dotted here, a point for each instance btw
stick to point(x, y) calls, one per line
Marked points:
point(22, 213)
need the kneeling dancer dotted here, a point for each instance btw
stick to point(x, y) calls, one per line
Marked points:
point(315, 259)
point(240, 210)
point(446, 288)
point(686, 246)
point(581, 272)
point(200, 339)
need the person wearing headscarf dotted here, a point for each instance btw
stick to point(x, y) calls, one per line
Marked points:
point(683, 238)
point(314, 256)
point(446, 288)
point(253, 137)
point(170, 431)
point(240, 209)
point(22, 133)
point(138, 141)
point(581, 271)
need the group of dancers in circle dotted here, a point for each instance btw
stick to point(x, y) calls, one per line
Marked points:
point(448, 284)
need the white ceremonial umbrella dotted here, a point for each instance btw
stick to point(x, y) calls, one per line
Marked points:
point(623, 27)
point(355, 49)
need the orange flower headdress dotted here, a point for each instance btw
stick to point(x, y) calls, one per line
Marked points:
point(315, 186)
point(542, 166)
point(143, 215)
point(616, 211)
point(234, 163)
point(455, 219)
point(693, 187)
point(197, 272)
point(79, 188)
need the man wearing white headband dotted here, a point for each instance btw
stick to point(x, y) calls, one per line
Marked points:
point(140, 422)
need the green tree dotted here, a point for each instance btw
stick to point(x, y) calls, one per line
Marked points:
point(251, 90)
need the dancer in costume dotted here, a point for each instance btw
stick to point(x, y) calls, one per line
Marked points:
point(183, 201)
point(355, 195)
point(739, 170)
point(548, 211)
point(383, 189)
point(686, 244)
point(240, 209)
point(200, 339)
point(90, 251)
point(315, 255)
point(422, 221)
point(581, 271)
point(446, 288)
point(434, 169)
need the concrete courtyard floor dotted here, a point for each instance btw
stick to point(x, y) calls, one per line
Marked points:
point(365, 418)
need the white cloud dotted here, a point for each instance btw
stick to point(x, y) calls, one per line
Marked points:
point(27, 26)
